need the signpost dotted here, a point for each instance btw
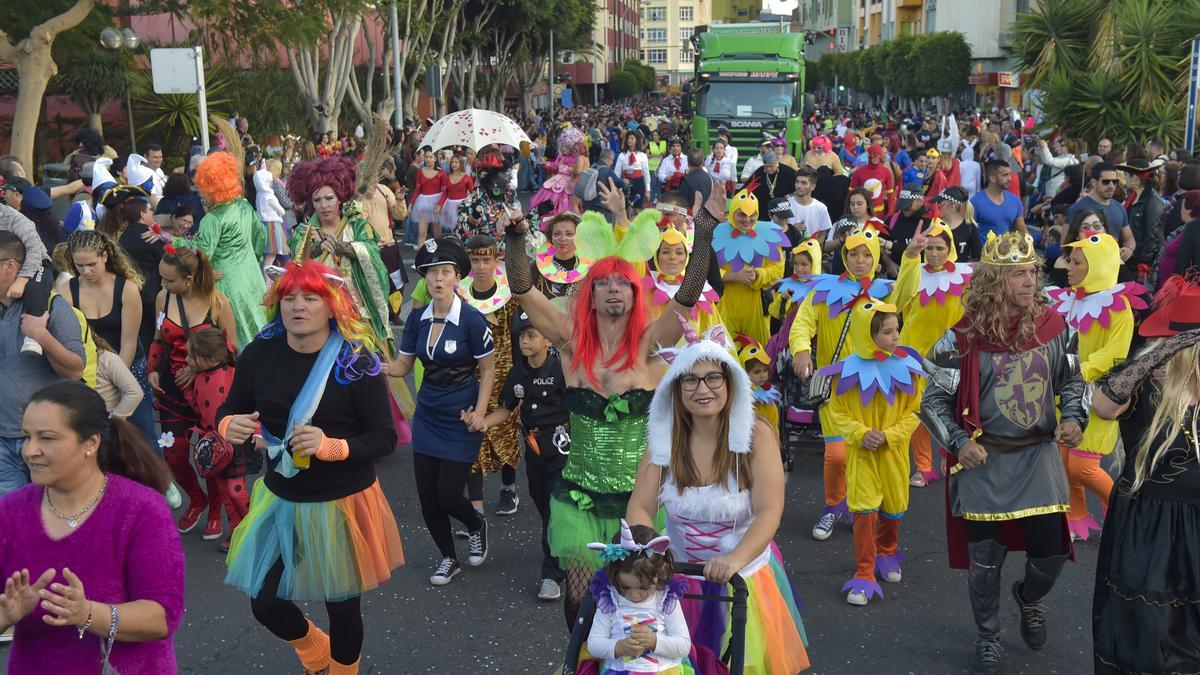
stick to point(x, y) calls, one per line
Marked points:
point(181, 71)
point(1190, 131)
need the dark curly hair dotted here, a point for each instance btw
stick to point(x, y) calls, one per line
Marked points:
point(655, 570)
point(337, 172)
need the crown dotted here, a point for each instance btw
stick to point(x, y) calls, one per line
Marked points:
point(1010, 248)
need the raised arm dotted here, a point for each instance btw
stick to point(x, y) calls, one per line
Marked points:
point(666, 329)
point(542, 314)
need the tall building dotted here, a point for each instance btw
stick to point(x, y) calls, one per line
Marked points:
point(835, 23)
point(666, 36)
point(987, 27)
point(615, 39)
point(887, 20)
point(736, 11)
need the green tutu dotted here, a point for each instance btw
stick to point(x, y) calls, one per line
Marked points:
point(579, 517)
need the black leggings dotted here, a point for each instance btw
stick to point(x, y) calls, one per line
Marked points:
point(508, 478)
point(440, 484)
point(287, 622)
point(1043, 534)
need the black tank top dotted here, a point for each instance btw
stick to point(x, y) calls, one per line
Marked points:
point(109, 325)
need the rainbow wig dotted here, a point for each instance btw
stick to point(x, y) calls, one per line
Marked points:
point(360, 354)
point(219, 178)
point(338, 172)
point(586, 350)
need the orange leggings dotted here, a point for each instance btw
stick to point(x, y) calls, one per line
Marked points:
point(1083, 471)
point(873, 535)
point(835, 472)
point(922, 448)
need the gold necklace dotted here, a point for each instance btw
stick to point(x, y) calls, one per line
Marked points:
point(73, 521)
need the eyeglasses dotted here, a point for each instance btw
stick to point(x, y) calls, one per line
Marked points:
point(1109, 181)
point(714, 381)
point(605, 284)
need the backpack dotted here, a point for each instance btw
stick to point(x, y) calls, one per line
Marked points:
point(585, 184)
point(89, 345)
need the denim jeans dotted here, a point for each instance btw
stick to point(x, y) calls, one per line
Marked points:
point(13, 472)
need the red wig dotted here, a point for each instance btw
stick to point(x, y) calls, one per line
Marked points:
point(586, 333)
point(338, 172)
point(313, 277)
point(219, 178)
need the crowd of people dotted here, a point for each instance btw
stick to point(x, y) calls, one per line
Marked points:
point(641, 322)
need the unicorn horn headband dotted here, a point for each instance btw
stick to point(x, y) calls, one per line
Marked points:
point(628, 547)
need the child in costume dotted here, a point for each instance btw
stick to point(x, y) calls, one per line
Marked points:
point(935, 309)
point(875, 409)
point(536, 386)
point(639, 626)
point(559, 188)
point(750, 253)
point(664, 279)
point(823, 314)
point(753, 357)
point(1101, 310)
point(486, 289)
point(272, 214)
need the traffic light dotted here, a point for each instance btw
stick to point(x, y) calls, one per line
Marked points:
point(841, 87)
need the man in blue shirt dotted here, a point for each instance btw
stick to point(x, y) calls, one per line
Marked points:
point(1099, 199)
point(996, 209)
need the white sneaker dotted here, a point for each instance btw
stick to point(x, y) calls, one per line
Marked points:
point(892, 576)
point(917, 479)
point(30, 347)
point(549, 590)
point(824, 527)
point(174, 499)
point(858, 598)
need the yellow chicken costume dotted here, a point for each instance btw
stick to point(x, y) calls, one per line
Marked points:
point(1101, 310)
point(934, 309)
point(758, 249)
point(767, 397)
point(875, 391)
point(823, 314)
point(786, 299)
point(661, 286)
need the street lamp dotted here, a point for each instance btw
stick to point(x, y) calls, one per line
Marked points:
point(126, 38)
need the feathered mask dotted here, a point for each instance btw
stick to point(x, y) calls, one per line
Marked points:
point(627, 548)
point(595, 239)
point(715, 347)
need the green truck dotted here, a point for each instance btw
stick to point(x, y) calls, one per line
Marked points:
point(749, 78)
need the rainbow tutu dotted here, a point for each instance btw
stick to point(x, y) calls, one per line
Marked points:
point(330, 550)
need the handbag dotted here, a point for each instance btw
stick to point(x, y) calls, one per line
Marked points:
point(820, 386)
point(211, 452)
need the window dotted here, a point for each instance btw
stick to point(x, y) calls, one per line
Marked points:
point(743, 12)
point(656, 35)
point(685, 14)
point(656, 14)
point(656, 56)
point(685, 35)
point(686, 54)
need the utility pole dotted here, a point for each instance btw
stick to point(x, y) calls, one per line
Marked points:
point(397, 76)
point(551, 77)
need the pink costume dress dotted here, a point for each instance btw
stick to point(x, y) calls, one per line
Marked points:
point(558, 188)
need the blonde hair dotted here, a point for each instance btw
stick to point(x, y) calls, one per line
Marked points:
point(725, 461)
point(1175, 413)
point(986, 302)
point(275, 167)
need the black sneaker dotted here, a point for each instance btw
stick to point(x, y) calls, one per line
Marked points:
point(507, 504)
point(1033, 620)
point(477, 546)
point(445, 571)
point(986, 659)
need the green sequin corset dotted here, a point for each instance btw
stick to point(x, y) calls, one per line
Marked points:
point(608, 439)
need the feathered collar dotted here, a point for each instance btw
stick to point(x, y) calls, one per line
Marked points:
point(741, 249)
point(607, 599)
point(885, 374)
point(1082, 310)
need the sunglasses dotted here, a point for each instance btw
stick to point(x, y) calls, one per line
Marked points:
point(1109, 181)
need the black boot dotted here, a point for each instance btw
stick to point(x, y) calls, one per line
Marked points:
point(983, 585)
point(1040, 574)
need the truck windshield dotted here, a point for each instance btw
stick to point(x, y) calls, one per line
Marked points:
point(746, 99)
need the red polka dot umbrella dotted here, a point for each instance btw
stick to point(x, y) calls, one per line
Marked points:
point(474, 128)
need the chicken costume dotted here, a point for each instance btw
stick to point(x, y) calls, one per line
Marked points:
point(1101, 310)
point(935, 309)
point(661, 287)
point(759, 249)
point(879, 391)
point(823, 314)
point(767, 398)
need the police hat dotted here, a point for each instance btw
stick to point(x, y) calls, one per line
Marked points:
point(36, 199)
point(443, 251)
point(520, 321)
point(780, 207)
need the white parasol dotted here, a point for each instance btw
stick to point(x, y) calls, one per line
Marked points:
point(474, 128)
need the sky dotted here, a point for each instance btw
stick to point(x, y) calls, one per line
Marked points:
point(780, 6)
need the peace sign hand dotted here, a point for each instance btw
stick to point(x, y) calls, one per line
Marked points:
point(67, 605)
point(917, 244)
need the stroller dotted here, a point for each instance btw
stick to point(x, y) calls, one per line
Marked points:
point(799, 425)
point(735, 653)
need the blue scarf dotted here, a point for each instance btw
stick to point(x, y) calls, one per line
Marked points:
point(305, 405)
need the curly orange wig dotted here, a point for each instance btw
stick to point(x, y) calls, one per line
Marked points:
point(219, 178)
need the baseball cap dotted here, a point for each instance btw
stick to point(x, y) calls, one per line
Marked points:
point(780, 207)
